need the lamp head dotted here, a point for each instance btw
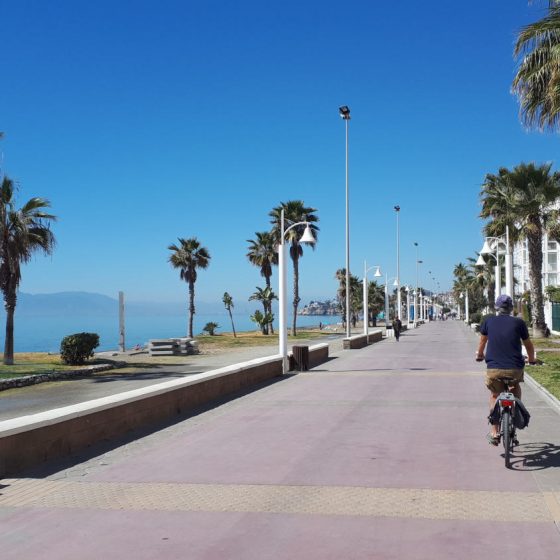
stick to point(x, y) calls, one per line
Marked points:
point(396, 283)
point(344, 112)
point(307, 236)
point(378, 272)
point(480, 261)
point(486, 249)
point(397, 208)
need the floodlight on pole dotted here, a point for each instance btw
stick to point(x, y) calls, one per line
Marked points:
point(344, 112)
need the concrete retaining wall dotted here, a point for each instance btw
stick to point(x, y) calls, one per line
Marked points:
point(361, 340)
point(30, 440)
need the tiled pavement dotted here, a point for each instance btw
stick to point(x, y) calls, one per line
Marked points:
point(379, 453)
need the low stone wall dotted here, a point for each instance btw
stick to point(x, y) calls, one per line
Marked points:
point(26, 380)
point(30, 440)
point(361, 340)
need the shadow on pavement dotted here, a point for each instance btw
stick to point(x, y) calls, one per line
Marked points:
point(536, 456)
point(56, 465)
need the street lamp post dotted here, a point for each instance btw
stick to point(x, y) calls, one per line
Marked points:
point(416, 291)
point(466, 297)
point(307, 237)
point(366, 295)
point(407, 304)
point(399, 304)
point(344, 112)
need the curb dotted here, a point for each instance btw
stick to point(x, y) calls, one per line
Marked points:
point(546, 395)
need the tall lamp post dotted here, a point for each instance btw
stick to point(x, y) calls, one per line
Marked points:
point(416, 291)
point(466, 297)
point(407, 304)
point(366, 294)
point(399, 305)
point(307, 237)
point(344, 112)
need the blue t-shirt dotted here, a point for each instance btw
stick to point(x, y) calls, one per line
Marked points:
point(505, 334)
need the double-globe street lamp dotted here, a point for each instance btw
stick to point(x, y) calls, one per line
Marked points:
point(307, 237)
point(344, 112)
point(491, 246)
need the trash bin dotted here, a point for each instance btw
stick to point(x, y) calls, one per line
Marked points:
point(301, 357)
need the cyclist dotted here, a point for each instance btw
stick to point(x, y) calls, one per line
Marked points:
point(504, 335)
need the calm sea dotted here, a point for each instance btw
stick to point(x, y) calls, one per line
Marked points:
point(43, 334)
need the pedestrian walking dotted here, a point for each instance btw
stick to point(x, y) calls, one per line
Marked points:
point(397, 326)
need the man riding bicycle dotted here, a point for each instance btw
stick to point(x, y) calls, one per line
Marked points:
point(504, 335)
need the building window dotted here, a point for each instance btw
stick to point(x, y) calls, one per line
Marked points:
point(552, 262)
point(552, 245)
point(552, 280)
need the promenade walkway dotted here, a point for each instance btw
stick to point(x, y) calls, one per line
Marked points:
point(378, 454)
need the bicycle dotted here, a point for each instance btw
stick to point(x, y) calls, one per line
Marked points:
point(507, 402)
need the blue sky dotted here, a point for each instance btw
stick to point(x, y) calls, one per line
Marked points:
point(146, 121)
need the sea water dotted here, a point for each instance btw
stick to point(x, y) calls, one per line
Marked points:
point(43, 334)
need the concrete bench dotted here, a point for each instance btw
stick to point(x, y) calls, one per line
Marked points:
point(361, 340)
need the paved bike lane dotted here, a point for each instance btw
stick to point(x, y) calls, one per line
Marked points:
point(379, 453)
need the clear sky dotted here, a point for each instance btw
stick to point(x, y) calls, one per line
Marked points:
point(144, 121)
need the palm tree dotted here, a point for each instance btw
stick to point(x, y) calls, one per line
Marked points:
point(295, 211)
point(525, 199)
point(356, 295)
point(262, 253)
point(228, 303)
point(23, 232)
point(266, 297)
point(376, 300)
point(537, 81)
point(189, 256)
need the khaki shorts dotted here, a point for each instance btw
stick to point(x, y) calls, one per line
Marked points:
point(497, 386)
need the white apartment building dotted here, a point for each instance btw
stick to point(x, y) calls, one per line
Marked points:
point(550, 272)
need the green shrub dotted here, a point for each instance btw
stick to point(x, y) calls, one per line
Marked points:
point(210, 328)
point(75, 349)
point(475, 317)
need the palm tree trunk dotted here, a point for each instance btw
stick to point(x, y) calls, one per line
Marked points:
point(267, 280)
point(534, 246)
point(295, 258)
point(10, 306)
point(232, 325)
point(191, 309)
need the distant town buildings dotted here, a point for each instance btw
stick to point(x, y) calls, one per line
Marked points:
point(329, 307)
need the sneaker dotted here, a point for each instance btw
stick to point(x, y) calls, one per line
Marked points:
point(493, 440)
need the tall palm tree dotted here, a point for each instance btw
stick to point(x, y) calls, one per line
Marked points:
point(262, 253)
point(295, 211)
point(189, 256)
point(23, 232)
point(526, 198)
point(537, 81)
point(228, 303)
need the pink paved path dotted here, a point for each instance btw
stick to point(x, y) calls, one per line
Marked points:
point(379, 453)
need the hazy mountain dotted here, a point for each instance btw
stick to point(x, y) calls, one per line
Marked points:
point(97, 305)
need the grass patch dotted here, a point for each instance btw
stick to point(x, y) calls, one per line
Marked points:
point(548, 375)
point(550, 342)
point(36, 363)
point(246, 339)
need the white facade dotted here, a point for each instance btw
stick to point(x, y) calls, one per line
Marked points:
point(550, 271)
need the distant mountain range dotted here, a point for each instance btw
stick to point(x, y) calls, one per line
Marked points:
point(97, 305)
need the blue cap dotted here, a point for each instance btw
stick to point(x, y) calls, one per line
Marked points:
point(503, 302)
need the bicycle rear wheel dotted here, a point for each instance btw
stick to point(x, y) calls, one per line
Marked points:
point(506, 436)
